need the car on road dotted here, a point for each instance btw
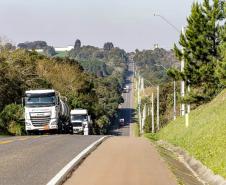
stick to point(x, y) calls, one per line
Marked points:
point(126, 89)
point(121, 122)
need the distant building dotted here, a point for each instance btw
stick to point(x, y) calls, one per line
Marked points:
point(68, 48)
point(39, 50)
point(156, 46)
point(58, 49)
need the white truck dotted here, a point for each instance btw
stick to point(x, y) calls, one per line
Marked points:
point(80, 121)
point(46, 111)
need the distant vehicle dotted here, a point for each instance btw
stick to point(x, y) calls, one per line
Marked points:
point(80, 121)
point(126, 89)
point(122, 122)
point(46, 111)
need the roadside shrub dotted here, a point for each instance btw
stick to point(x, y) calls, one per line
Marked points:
point(11, 120)
point(103, 122)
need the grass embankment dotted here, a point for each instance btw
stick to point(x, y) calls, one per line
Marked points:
point(136, 130)
point(205, 138)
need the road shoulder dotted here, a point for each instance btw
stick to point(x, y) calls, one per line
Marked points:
point(123, 160)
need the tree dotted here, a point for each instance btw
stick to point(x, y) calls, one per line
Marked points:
point(108, 46)
point(77, 45)
point(11, 119)
point(9, 46)
point(221, 64)
point(33, 45)
point(49, 51)
point(200, 43)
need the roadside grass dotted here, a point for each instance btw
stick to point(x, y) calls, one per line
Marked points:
point(205, 138)
point(136, 131)
point(151, 136)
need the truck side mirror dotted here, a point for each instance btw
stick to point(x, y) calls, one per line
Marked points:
point(89, 118)
point(23, 101)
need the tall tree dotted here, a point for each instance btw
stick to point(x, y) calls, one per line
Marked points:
point(108, 46)
point(200, 43)
point(77, 45)
point(221, 65)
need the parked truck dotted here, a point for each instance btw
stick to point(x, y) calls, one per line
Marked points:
point(45, 110)
point(80, 121)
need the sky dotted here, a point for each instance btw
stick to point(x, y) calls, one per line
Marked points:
point(129, 24)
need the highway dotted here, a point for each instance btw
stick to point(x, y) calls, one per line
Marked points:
point(35, 160)
point(126, 109)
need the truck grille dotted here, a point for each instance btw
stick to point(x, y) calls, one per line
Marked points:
point(40, 120)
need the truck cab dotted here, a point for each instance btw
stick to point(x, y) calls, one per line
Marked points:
point(80, 121)
point(44, 111)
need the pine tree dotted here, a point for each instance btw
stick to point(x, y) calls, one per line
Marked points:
point(221, 65)
point(200, 44)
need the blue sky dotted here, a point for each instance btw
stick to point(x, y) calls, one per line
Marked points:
point(129, 24)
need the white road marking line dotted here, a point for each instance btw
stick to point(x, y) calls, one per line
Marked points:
point(59, 177)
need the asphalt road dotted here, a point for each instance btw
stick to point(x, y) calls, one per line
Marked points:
point(126, 109)
point(34, 160)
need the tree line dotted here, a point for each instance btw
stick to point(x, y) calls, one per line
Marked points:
point(22, 70)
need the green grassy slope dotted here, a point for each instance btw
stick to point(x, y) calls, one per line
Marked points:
point(205, 138)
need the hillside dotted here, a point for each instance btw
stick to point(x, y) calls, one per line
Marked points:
point(152, 64)
point(205, 138)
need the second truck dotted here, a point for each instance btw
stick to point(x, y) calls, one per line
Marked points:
point(80, 121)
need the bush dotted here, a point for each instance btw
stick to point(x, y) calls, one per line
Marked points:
point(103, 122)
point(11, 120)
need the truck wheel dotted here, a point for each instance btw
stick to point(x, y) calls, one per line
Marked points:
point(28, 132)
point(71, 131)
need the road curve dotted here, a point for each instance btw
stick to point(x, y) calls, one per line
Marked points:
point(34, 160)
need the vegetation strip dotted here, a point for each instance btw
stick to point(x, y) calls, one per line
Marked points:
point(204, 174)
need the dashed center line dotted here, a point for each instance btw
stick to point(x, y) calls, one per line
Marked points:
point(5, 142)
point(18, 139)
point(22, 139)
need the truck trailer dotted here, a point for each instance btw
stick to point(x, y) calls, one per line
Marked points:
point(45, 110)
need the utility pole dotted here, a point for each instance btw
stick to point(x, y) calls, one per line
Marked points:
point(142, 84)
point(152, 114)
point(188, 105)
point(143, 118)
point(174, 93)
point(158, 124)
point(174, 101)
point(182, 83)
point(139, 104)
point(188, 110)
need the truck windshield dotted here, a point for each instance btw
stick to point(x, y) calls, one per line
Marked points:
point(35, 100)
point(78, 118)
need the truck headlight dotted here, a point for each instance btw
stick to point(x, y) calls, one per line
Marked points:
point(54, 122)
point(27, 123)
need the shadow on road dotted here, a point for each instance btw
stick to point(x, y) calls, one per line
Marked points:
point(128, 115)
